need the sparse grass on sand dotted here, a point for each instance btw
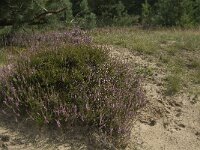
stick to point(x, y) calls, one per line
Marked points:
point(175, 49)
point(2, 57)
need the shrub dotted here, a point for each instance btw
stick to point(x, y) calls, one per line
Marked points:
point(73, 86)
point(146, 14)
point(37, 40)
point(173, 84)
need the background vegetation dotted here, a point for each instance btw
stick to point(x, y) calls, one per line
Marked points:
point(89, 13)
point(60, 77)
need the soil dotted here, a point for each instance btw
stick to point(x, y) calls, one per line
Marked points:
point(166, 123)
point(25, 135)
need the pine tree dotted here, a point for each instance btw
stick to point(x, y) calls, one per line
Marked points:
point(168, 12)
point(196, 11)
point(187, 18)
point(17, 12)
point(85, 18)
point(65, 15)
point(146, 14)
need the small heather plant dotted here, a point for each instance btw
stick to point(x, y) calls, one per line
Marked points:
point(55, 39)
point(73, 85)
point(173, 84)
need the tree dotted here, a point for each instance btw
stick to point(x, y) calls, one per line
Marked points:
point(196, 11)
point(187, 18)
point(66, 15)
point(83, 15)
point(16, 12)
point(168, 12)
point(146, 14)
point(110, 12)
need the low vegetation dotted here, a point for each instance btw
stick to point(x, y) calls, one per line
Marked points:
point(73, 85)
point(58, 79)
point(175, 49)
point(2, 58)
point(52, 72)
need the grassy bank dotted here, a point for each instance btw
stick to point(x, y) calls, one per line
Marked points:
point(175, 49)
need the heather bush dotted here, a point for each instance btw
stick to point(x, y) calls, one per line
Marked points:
point(73, 86)
point(36, 40)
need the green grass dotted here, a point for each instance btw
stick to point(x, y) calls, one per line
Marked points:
point(173, 84)
point(3, 57)
point(175, 49)
point(10, 54)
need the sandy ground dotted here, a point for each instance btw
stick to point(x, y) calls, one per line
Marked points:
point(24, 135)
point(167, 123)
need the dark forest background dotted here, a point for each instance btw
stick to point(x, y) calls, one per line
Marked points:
point(99, 13)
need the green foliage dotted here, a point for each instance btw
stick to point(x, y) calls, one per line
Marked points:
point(183, 13)
point(196, 11)
point(84, 17)
point(16, 10)
point(3, 57)
point(168, 12)
point(75, 85)
point(65, 16)
point(146, 14)
point(114, 14)
point(90, 20)
point(187, 18)
point(85, 13)
point(173, 84)
point(121, 17)
point(18, 13)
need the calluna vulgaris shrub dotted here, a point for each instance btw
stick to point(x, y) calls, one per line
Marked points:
point(34, 41)
point(74, 85)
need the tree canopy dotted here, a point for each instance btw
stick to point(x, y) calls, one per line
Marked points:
point(89, 13)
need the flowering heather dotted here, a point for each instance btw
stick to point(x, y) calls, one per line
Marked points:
point(72, 85)
point(54, 39)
